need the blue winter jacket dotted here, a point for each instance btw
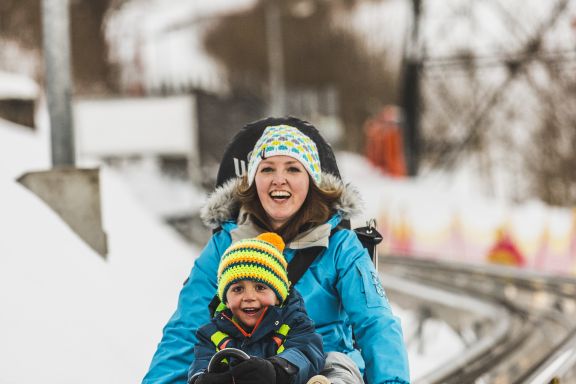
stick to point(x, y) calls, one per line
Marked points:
point(302, 346)
point(341, 292)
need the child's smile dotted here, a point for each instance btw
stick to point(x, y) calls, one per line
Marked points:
point(247, 300)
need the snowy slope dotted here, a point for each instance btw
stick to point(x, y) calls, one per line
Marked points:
point(67, 315)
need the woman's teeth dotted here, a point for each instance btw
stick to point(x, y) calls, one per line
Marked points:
point(280, 194)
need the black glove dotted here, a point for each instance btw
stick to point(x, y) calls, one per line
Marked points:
point(214, 378)
point(285, 371)
point(220, 367)
point(254, 371)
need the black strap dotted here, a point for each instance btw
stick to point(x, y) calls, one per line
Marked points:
point(304, 258)
point(368, 236)
point(214, 303)
point(301, 261)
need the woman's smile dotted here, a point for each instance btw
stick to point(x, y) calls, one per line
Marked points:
point(280, 195)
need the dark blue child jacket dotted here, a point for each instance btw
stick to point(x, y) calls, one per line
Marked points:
point(302, 346)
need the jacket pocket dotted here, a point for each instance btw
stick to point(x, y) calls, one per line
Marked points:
point(372, 288)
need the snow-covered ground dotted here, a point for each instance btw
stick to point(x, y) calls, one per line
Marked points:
point(67, 315)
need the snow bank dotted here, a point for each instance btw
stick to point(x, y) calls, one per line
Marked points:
point(68, 316)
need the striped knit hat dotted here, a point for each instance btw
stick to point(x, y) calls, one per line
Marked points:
point(259, 259)
point(288, 141)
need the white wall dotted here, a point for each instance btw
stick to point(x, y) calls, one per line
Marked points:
point(143, 126)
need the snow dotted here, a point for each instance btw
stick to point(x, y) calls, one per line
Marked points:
point(436, 347)
point(17, 86)
point(66, 312)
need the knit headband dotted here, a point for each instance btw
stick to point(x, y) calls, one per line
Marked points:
point(288, 141)
point(259, 259)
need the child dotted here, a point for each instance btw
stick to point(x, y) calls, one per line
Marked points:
point(260, 315)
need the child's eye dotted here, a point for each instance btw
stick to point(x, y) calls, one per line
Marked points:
point(236, 289)
point(261, 287)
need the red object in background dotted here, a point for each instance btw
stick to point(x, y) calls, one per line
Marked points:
point(505, 251)
point(383, 138)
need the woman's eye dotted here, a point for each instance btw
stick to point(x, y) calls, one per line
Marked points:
point(266, 170)
point(294, 170)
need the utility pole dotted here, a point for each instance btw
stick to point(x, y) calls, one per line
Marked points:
point(411, 97)
point(56, 45)
point(73, 193)
point(276, 84)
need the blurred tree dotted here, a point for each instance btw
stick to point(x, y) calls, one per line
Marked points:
point(501, 104)
point(317, 54)
point(550, 159)
point(20, 22)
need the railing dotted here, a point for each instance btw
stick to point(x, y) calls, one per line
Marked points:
point(535, 339)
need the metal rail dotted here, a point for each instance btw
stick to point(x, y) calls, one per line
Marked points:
point(539, 345)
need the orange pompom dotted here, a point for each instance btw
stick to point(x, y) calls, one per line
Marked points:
point(272, 238)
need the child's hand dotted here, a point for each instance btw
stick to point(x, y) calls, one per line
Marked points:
point(214, 378)
point(220, 367)
point(254, 371)
point(284, 369)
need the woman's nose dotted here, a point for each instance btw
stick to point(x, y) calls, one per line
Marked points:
point(278, 178)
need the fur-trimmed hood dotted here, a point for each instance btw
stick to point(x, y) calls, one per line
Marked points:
point(222, 204)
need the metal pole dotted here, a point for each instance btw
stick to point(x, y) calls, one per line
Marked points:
point(411, 97)
point(275, 47)
point(56, 44)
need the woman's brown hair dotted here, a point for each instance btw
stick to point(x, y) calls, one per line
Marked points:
point(316, 209)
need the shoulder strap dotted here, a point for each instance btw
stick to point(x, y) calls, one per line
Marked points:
point(303, 259)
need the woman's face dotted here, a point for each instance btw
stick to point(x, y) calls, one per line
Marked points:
point(282, 184)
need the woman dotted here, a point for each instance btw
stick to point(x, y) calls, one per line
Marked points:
point(285, 191)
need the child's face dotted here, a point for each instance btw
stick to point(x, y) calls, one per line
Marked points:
point(247, 299)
